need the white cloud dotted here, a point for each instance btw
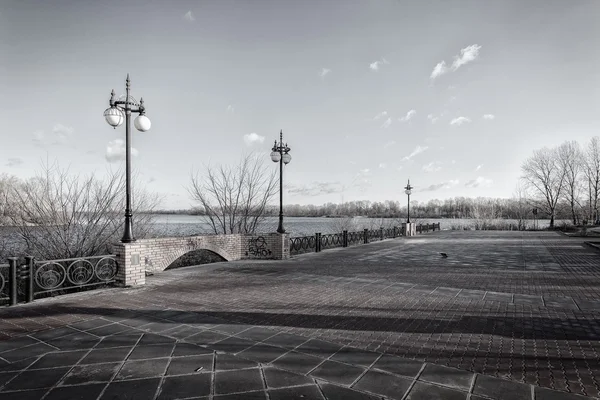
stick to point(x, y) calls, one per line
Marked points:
point(380, 115)
point(479, 182)
point(13, 162)
point(433, 166)
point(459, 121)
point(468, 54)
point(189, 16)
point(59, 135)
point(323, 72)
point(115, 151)
point(432, 118)
point(417, 150)
point(230, 108)
point(151, 179)
point(478, 167)
point(316, 188)
point(251, 138)
point(439, 70)
point(489, 116)
point(408, 116)
point(382, 165)
point(453, 161)
point(442, 185)
point(389, 144)
point(387, 123)
point(375, 64)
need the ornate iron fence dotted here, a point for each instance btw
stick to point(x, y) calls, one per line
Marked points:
point(318, 242)
point(34, 278)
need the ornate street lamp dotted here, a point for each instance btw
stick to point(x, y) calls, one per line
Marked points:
point(408, 191)
point(280, 154)
point(118, 111)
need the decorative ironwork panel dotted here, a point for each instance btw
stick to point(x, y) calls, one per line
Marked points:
point(72, 273)
point(331, 240)
point(4, 282)
point(302, 244)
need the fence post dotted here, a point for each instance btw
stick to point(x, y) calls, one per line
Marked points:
point(366, 236)
point(381, 233)
point(345, 239)
point(317, 242)
point(30, 277)
point(12, 279)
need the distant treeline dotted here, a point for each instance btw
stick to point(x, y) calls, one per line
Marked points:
point(457, 207)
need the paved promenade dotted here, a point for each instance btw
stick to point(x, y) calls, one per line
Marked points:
point(506, 316)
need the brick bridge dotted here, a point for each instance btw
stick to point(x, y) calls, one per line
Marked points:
point(157, 254)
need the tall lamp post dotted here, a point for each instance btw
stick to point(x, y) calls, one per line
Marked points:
point(280, 153)
point(119, 110)
point(408, 191)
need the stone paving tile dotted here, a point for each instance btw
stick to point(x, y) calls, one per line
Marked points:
point(337, 372)
point(399, 366)
point(147, 351)
point(262, 353)
point(59, 359)
point(254, 395)
point(27, 352)
point(137, 389)
point(445, 376)
point(335, 392)
point(277, 378)
point(115, 354)
point(119, 341)
point(355, 356)
point(383, 384)
point(286, 340)
point(43, 378)
point(81, 374)
point(310, 392)
point(232, 345)
point(188, 349)
point(228, 362)
point(155, 367)
point(24, 395)
point(425, 391)
point(80, 392)
point(499, 389)
point(190, 365)
point(257, 333)
point(319, 348)
point(177, 387)
point(227, 382)
point(297, 362)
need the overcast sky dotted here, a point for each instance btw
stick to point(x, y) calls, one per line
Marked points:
point(454, 95)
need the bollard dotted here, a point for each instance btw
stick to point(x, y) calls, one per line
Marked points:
point(30, 276)
point(345, 239)
point(366, 236)
point(12, 279)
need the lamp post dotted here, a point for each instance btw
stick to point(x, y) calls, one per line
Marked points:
point(408, 191)
point(119, 110)
point(280, 153)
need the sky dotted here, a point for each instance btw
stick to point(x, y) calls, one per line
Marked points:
point(453, 95)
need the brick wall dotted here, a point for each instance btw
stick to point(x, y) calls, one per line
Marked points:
point(155, 255)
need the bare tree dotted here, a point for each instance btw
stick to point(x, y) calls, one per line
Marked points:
point(570, 161)
point(591, 171)
point(64, 215)
point(545, 178)
point(8, 207)
point(521, 206)
point(235, 198)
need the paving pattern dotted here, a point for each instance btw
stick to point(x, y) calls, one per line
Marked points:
point(507, 315)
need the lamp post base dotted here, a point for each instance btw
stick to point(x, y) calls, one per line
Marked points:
point(128, 233)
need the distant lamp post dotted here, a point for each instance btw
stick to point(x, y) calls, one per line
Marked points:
point(280, 153)
point(408, 191)
point(119, 110)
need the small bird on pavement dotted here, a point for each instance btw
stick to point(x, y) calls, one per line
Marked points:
point(444, 255)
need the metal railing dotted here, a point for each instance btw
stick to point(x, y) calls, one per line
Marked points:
point(318, 241)
point(23, 282)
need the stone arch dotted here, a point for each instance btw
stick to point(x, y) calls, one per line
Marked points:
point(173, 256)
